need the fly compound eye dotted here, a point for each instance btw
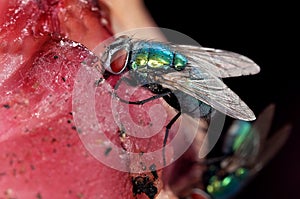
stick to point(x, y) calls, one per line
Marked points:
point(118, 61)
point(115, 57)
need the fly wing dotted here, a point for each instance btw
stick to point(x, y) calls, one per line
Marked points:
point(253, 144)
point(272, 146)
point(209, 89)
point(220, 63)
point(249, 149)
point(263, 123)
point(263, 149)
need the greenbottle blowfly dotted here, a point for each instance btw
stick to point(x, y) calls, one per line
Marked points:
point(181, 73)
point(246, 149)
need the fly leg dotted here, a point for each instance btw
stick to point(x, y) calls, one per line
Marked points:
point(139, 102)
point(168, 127)
point(166, 94)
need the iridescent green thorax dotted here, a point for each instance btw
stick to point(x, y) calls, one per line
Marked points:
point(243, 133)
point(224, 187)
point(147, 56)
point(239, 134)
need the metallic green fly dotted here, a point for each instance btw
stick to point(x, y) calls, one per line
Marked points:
point(195, 71)
point(246, 149)
point(187, 77)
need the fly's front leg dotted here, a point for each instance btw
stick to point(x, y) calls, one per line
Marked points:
point(139, 102)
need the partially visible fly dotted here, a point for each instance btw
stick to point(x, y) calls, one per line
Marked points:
point(246, 149)
point(146, 183)
point(181, 73)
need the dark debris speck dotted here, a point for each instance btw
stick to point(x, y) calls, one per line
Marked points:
point(107, 151)
point(74, 128)
point(39, 195)
point(53, 140)
point(79, 131)
point(32, 167)
point(7, 106)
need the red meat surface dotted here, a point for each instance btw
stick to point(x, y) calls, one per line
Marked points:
point(41, 154)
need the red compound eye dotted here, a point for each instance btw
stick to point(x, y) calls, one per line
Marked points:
point(118, 61)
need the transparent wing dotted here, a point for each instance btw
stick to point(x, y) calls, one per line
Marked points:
point(263, 123)
point(209, 89)
point(255, 139)
point(272, 146)
point(249, 149)
point(220, 63)
point(257, 149)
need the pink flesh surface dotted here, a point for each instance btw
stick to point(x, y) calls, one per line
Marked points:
point(41, 153)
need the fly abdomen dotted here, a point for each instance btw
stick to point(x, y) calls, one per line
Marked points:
point(192, 106)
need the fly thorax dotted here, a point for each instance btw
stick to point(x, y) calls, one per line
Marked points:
point(160, 58)
point(139, 57)
point(155, 56)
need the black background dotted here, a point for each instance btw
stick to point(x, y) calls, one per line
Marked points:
point(266, 33)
